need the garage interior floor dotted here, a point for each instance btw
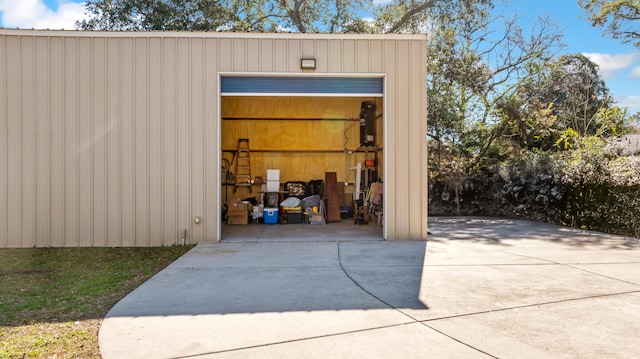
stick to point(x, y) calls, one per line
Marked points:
point(344, 230)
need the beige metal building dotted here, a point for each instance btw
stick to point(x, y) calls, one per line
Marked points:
point(117, 138)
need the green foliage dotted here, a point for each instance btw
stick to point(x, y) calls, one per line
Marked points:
point(619, 19)
point(589, 186)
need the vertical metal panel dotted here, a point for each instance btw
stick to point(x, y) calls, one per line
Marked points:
point(28, 112)
point(113, 135)
point(266, 56)
point(225, 55)
point(156, 141)
point(375, 56)
point(42, 108)
point(239, 54)
point(169, 146)
point(85, 138)
point(13, 112)
point(308, 48)
point(280, 48)
point(196, 141)
point(419, 56)
point(184, 121)
point(293, 55)
point(349, 55)
point(57, 137)
point(99, 139)
point(362, 56)
point(211, 134)
point(127, 132)
point(4, 145)
point(402, 149)
point(335, 56)
point(71, 145)
point(322, 56)
point(254, 54)
point(390, 142)
point(142, 127)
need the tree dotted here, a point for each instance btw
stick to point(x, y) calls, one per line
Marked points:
point(223, 15)
point(619, 19)
point(190, 15)
point(475, 61)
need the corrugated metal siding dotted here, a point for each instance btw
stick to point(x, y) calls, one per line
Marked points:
point(112, 139)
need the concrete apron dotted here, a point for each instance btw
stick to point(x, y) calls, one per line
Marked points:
point(485, 288)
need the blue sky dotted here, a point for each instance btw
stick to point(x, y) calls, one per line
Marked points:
point(619, 64)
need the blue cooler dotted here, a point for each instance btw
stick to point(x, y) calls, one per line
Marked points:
point(270, 216)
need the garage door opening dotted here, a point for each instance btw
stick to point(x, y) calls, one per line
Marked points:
point(302, 136)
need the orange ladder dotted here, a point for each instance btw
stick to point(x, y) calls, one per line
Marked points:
point(243, 165)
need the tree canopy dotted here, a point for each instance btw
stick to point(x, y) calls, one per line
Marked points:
point(332, 16)
point(620, 19)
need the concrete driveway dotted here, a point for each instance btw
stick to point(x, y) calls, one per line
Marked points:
point(479, 288)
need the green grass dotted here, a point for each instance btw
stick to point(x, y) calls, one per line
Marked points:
point(53, 299)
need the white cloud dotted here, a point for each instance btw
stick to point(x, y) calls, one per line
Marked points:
point(630, 102)
point(609, 63)
point(28, 14)
point(635, 73)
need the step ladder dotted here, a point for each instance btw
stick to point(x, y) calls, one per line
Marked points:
point(243, 165)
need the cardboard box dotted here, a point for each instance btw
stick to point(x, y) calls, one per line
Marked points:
point(237, 208)
point(273, 175)
point(317, 218)
point(238, 219)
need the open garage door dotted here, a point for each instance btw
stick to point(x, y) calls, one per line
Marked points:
point(304, 127)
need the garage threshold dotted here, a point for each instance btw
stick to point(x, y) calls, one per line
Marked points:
point(342, 231)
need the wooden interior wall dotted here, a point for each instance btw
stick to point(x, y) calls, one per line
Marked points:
point(304, 137)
